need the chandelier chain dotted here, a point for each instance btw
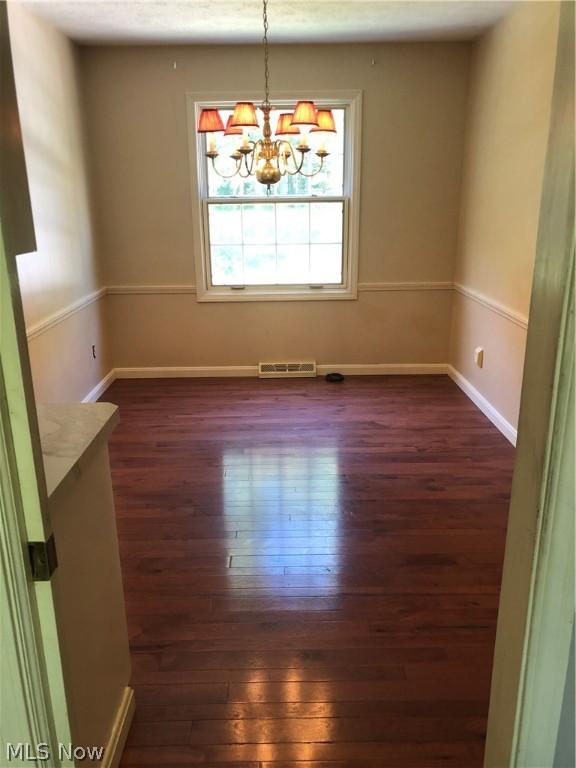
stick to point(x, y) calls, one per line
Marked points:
point(265, 42)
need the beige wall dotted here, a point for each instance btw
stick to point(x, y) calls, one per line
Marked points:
point(174, 330)
point(63, 271)
point(509, 114)
point(415, 98)
point(89, 601)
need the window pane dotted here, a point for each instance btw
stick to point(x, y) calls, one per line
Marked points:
point(333, 182)
point(292, 223)
point(293, 264)
point(329, 181)
point(325, 263)
point(225, 224)
point(227, 265)
point(260, 264)
point(259, 224)
point(326, 222)
point(276, 243)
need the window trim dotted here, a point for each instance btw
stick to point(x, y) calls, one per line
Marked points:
point(348, 289)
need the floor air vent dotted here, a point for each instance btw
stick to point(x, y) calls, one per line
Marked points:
point(286, 370)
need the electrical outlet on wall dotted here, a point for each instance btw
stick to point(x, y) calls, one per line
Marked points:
point(479, 356)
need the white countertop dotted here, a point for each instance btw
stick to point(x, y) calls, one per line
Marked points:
point(69, 435)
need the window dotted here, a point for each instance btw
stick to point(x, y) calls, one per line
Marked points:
point(299, 241)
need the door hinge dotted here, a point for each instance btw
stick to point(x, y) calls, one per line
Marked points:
point(43, 559)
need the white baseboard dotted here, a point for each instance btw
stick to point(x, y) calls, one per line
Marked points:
point(119, 732)
point(384, 369)
point(191, 372)
point(101, 387)
point(375, 369)
point(509, 432)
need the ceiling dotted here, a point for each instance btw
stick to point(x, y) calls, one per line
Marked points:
point(291, 21)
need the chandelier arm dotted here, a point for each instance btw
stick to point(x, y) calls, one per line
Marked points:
point(255, 148)
point(282, 159)
point(314, 173)
point(291, 158)
point(243, 162)
point(226, 175)
point(298, 165)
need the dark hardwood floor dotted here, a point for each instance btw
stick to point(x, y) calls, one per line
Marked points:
point(311, 570)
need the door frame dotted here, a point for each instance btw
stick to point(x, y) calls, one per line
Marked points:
point(20, 648)
point(536, 613)
point(29, 631)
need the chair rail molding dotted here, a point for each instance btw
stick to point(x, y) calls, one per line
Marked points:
point(49, 322)
point(414, 285)
point(500, 309)
point(127, 290)
point(189, 288)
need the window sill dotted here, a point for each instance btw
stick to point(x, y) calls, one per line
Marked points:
point(265, 294)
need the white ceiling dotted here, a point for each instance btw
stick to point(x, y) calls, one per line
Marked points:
point(291, 21)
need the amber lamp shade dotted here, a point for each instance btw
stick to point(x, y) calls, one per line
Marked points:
point(210, 121)
point(285, 127)
point(305, 114)
point(244, 115)
point(232, 129)
point(325, 121)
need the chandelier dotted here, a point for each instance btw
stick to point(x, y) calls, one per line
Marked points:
point(267, 158)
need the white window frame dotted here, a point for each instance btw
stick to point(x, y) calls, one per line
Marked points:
point(351, 101)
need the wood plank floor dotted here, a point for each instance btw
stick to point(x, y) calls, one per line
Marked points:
point(311, 570)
